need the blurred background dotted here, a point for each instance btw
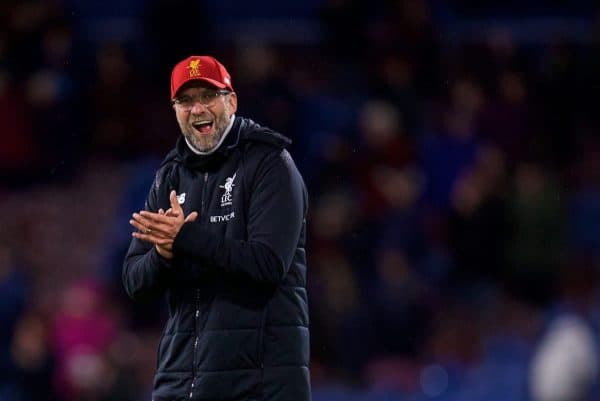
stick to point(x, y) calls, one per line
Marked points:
point(451, 153)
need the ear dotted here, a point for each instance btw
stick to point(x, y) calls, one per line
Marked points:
point(232, 99)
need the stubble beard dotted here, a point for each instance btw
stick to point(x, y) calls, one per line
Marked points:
point(206, 143)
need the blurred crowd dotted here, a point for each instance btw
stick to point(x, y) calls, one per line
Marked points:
point(454, 243)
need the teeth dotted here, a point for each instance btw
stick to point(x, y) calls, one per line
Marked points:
point(202, 122)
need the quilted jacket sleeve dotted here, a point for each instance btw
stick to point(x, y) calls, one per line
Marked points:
point(145, 272)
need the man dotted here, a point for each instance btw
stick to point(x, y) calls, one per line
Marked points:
point(223, 234)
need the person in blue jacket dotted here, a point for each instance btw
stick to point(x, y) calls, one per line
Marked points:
point(222, 234)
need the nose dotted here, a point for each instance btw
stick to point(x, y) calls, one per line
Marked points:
point(198, 107)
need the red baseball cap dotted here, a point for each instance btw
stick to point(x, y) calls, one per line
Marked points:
point(199, 68)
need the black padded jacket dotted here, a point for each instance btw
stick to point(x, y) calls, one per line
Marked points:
point(236, 287)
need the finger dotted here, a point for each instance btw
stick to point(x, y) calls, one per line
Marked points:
point(143, 237)
point(167, 224)
point(161, 211)
point(191, 217)
point(171, 213)
point(137, 225)
point(143, 224)
point(144, 221)
point(148, 230)
point(164, 242)
point(174, 203)
point(156, 218)
point(167, 247)
point(163, 248)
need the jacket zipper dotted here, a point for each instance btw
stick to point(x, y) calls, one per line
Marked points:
point(261, 364)
point(203, 193)
point(197, 314)
point(196, 318)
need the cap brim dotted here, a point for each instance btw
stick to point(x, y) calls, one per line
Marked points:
point(214, 83)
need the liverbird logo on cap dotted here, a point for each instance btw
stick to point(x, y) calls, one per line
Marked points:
point(194, 68)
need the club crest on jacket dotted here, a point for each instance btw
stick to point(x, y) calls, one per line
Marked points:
point(226, 198)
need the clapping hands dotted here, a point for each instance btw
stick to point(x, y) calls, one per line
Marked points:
point(161, 228)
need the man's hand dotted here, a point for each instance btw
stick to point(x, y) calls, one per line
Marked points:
point(162, 251)
point(161, 228)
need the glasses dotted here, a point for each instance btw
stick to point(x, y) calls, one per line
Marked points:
point(208, 99)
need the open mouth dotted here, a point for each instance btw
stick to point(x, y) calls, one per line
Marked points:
point(203, 127)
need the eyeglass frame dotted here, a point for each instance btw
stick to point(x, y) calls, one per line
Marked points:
point(207, 99)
